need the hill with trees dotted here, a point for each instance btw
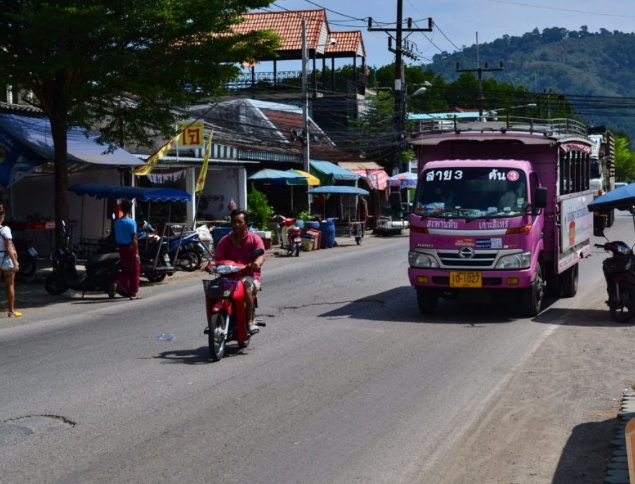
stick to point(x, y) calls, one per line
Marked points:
point(593, 71)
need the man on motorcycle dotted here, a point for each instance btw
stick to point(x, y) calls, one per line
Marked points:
point(239, 246)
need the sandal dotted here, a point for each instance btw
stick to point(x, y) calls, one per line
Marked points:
point(135, 297)
point(15, 314)
point(252, 328)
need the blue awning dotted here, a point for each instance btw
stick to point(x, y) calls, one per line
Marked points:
point(140, 193)
point(26, 143)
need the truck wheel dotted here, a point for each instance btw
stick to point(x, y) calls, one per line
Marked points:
point(427, 299)
point(610, 218)
point(569, 281)
point(532, 296)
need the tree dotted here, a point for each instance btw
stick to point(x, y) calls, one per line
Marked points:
point(624, 160)
point(84, 60)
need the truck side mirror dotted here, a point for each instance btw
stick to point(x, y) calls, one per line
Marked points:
point(540, 197)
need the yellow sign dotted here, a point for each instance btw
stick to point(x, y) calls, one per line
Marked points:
point(200, 181)
point(191, 134)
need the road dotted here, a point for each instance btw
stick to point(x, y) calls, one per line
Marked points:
point(347, 383)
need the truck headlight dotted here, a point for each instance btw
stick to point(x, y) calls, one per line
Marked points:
point(417, 259)
point(515, 261)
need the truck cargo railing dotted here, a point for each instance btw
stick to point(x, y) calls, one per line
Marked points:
point(557, 127)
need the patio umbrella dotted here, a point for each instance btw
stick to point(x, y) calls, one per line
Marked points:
point(311, 180)
point(403, 180)
point(622, 198)
point(278, 177)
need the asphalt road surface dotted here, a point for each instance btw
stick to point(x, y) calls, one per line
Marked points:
point(347, 383)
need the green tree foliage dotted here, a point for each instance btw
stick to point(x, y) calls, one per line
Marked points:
point(258, 208)
point(624, 160)
point(83, 59)
point(593, 70)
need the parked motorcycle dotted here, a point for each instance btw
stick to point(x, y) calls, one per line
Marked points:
point(225, 306)
point(101, 270)
point(27, 258)
point(293, 240)
point(619, 273)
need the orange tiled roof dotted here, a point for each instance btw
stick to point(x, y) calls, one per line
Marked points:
point(288, 26)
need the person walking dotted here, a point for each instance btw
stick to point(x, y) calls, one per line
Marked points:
point(9, 265)
point(125, 229)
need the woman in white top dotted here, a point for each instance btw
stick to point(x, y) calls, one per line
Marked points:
point(9, 264)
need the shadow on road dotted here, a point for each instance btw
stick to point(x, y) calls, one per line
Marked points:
point(585, 455)
point(196, 356)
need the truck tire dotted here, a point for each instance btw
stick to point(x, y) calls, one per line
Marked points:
point(569, 281)
point(427, 299)
point(610, 218)
point(531, 298)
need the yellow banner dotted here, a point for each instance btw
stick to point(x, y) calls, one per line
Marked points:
point(151, 162)
point(200, 182)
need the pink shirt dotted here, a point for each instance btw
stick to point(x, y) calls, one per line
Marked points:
point(243, 253)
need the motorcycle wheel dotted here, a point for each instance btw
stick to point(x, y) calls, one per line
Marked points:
point(622, 310)
point(296, 252)
point(217, 334)
point(55, 284)
point(28, 266)
point(189, 261)
point(155, 276)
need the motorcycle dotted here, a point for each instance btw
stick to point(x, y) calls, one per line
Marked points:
point(27, 258)
point(101, 270)
point(225, 306)
point(619, 273)
point(292, 235)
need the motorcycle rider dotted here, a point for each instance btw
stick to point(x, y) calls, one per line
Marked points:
point(239, 246)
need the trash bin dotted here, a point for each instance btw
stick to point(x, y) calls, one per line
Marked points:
point(328, 233)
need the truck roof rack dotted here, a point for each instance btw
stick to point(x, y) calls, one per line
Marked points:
point(557, 127)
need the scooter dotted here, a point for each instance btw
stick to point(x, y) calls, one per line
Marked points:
point(293, 239)
point(619, 273)
point(101, 270)
point(27, 258)
point(225, 306)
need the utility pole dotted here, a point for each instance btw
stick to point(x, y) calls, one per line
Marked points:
point(306, 153)
point(479, 70)
point(400, 51)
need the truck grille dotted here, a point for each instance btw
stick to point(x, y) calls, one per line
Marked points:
point(480, 260)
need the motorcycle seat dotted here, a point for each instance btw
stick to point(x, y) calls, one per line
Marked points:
point(101, 259)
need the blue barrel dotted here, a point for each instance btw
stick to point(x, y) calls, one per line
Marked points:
point(312, 225)
point(328, 234)
point(218, 233)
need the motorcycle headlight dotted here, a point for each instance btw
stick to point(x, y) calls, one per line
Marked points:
point(424, 261)
point(515, 261)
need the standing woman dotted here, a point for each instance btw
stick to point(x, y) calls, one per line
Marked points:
point(9, 265)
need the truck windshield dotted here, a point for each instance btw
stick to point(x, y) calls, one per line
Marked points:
point(471, 192)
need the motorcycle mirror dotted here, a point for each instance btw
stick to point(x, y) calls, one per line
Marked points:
point(259, 252)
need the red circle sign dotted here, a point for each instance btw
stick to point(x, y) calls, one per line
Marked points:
point(513, 176)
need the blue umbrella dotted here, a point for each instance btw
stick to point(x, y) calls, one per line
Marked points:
point(341, 189)
point(403, 180)
point(622, 198)
point(278, 177)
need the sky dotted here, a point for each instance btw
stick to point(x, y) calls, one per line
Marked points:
point(460, 23)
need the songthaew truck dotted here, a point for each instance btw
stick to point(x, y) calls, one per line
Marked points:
point(500, 211)
point(602, 172)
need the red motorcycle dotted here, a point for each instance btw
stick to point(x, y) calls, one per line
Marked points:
point(225, 306)
point(294, 241)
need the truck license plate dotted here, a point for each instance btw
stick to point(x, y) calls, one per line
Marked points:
point(466, 279)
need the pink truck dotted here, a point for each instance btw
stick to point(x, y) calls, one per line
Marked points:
point(500, 211)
